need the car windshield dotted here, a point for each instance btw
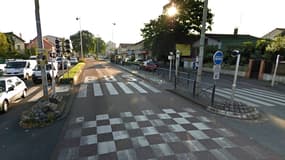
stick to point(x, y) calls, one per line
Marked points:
point(16, 65)
point(2, 86)
point(38, 67)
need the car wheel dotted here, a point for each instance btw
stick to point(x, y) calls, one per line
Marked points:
point(24, 95)
point(5, 106)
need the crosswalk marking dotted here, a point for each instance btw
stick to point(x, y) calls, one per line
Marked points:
point(125, 88)
point(97, 89)
point(272, 94)
point(236, 99)
point(82, 91)
point(149, 87)
point(253, 96)
point(228, 91)
point(111, 89)
point(261, 97)
point(137, 87)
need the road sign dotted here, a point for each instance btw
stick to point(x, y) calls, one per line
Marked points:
point(218, 58)
point(216, 71)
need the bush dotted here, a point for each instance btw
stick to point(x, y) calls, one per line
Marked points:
point(68, 77)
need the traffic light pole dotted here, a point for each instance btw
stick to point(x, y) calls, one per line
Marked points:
point(40, 46)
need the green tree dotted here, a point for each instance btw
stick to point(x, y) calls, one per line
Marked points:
point(88, 43)
point(4, 45)
point(164, 31)
point(277, 46)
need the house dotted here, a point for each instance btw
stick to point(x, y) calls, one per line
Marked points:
point(47, 45)
point(136, 50)
point(17, 43)
point(274, 33)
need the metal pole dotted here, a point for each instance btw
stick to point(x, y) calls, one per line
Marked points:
point(235, 80)
point(40, 46)
point(53, 77)
point(170, 65)
point(275, 70)
point(80, 33)
point(202, 44)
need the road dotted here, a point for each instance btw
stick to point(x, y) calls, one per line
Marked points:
point(117, 115)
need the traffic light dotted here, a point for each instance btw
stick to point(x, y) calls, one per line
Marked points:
point(57, 46)
point(67, 46)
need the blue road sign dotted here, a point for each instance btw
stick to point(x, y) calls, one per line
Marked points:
point(218, 57)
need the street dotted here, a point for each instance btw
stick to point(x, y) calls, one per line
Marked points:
point(115, 114)
point(119, 116)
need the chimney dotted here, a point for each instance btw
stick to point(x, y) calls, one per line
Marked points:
point(20, 35)
point(235, 32)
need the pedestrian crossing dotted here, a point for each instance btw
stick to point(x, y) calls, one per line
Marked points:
point(116, 88)
point(253, 96)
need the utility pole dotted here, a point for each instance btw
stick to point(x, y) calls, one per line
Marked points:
point(202, 46)
point(40, 46)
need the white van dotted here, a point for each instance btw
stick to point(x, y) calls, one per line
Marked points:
point(20, 68)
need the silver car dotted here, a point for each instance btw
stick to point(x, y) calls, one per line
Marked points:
point(11, 89)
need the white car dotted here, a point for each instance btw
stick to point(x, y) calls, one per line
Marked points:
point(11, 89)
point(51, 71)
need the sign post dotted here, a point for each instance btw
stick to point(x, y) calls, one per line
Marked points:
point(218, 60)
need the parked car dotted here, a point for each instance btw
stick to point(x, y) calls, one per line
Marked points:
point(149, 66)
point(73, 60)
point(51, 70)
point(11, 89)
point(21, 68)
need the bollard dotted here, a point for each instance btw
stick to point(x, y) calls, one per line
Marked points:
point(213, 94)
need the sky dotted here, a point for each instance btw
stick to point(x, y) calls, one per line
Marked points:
point(58, 17)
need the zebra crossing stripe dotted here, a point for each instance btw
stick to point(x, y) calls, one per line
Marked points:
point(246, 98)
point(111, 89)
point(236, 99)
point(82, 91)
point(262, 97)
point(272, 94)
point(125, 88)
point(97, 89)
point(149, 87)
point(137, 87)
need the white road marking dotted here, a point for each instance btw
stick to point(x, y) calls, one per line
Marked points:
point(149, 87)
point(137, 87)
point(125, 88)
point(111, 89)
point(97, 89)
point(82, 91)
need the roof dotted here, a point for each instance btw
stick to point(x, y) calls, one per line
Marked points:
point(14, 35)
point(274, 33)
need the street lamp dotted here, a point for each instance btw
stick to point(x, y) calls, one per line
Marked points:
point(81, 47)
point(234, 54)
point(201, 49)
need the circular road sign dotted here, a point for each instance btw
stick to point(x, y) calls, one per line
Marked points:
point(218, 57)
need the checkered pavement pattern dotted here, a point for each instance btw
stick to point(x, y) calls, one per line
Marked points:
point(173, 134)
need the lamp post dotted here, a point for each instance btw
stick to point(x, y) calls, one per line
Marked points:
point(41, 47)
point(113, 45)
point(80, 32)
point(235, 53)
point(202, 45)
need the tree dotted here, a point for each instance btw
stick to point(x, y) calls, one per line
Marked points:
point(4, 45)
point(162, 32)
point(277, 46)
point(87, 42)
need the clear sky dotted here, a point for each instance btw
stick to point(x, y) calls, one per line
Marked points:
point(58, 17)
